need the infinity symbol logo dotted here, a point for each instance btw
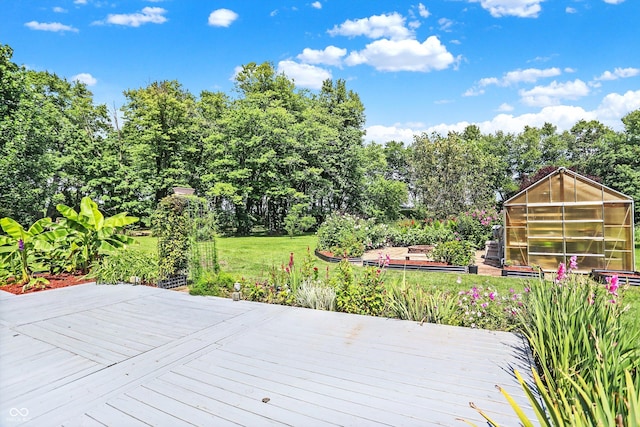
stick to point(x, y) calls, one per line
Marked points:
point(15, 412)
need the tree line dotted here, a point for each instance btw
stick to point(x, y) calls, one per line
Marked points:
point(266, 152)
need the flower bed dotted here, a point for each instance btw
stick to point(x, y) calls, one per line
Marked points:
point(55, 281)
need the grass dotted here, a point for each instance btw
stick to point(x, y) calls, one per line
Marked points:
point(252, 257)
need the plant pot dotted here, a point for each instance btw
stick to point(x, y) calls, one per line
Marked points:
point(473, 269)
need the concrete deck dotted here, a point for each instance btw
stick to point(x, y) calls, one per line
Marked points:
point(133, 356)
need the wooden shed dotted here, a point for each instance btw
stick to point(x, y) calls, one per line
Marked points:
point(566, 214)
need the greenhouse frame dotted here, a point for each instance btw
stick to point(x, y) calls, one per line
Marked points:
point(566, 214)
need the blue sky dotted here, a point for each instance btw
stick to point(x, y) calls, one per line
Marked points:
point(418, 66)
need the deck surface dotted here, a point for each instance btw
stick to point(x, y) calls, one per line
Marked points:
point(92, 355)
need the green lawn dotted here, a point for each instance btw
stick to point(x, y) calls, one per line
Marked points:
point(252, 257)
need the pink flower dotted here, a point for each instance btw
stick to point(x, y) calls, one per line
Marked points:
point(291, 260)
point(492, 296)
point(573, 263)
point(592, 299)
point(562, 272)
point(612, 284)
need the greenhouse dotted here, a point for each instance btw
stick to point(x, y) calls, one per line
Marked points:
point(566, 214)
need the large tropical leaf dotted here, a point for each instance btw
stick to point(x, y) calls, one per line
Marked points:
point(39, 226)
point(67, 212)
point(12, 228)
point(89, 210)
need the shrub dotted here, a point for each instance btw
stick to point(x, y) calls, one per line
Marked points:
point(455, 252)
point(316, 295)
point(296, 222)
point(129, 265)
point(487, 309)
point(365, 296)
point(343, 234)
point(417, 304)
point(219, 284)
point(477, 226)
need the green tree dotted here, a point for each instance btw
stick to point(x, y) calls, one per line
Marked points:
point(618, 162)
point(159, 134)
point(451, 174)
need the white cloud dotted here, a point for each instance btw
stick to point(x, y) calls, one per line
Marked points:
point(530, 75)
point(59, 9)
point(331, 55)
point(610, 112)
point(422, 10)
point(403, 55)
point(613, 1)
point(80, 2)
point(304, 75)
point(619, 73)
point(445, 24)
point(222, 17)
point(85, 78)
point(153, 15)
point(50, 26)
point(316, 4)
point(552, 94)
point(375, 27)
point(473, 92)
point(504, 107)
point(519, 8)
point(615, 106)
point(382, 134)
point(570, 10)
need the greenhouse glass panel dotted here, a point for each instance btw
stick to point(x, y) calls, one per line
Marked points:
point(516, 215)
point(585, 246)
point(557, 189)
point(539, 194)
point(546, 262)
point(584, 229)
point(617, 213)
point(575, 213)
point(545, 229)
point(586, 192)
point(546, 246)
point(545, 213)
point(590, 262)
point(517, 256)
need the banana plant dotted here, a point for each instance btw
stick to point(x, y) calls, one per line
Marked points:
point(91, 234)
point(19, 247)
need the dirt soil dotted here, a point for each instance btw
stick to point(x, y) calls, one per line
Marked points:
point(55, 281)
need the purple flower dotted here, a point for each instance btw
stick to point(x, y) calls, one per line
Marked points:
point(20, 245)
point(573, 263)
point(291, 260)
point(612, 284)
point(492, 296)
point(562, 272)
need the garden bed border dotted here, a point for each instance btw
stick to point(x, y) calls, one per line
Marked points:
point(425, 267)
point(329, 258)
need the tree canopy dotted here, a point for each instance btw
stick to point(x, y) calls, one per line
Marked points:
point(268, 153)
